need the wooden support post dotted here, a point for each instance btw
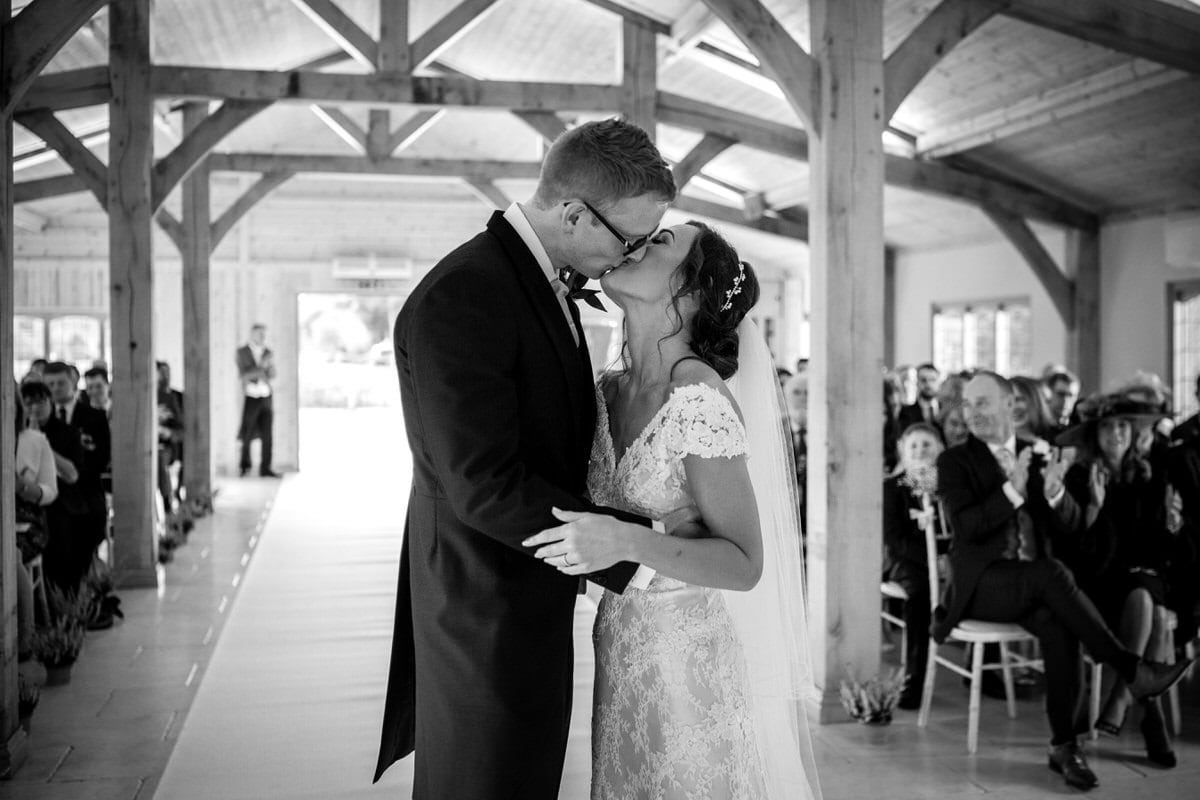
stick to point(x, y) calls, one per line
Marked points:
point(845, 447)
point(13, 743)
point(1083, 337)
point(639, 76)
point(393, 53)
point(889, 307)
point(197, 357)
point(130, 220)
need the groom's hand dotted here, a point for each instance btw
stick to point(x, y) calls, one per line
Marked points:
point(584, 543)
point(685, 522)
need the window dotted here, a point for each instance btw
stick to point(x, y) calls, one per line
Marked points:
point(75, 338)
point(1185, 346)
point(993, 334)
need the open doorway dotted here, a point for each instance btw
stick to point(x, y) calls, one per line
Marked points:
point(349, 397)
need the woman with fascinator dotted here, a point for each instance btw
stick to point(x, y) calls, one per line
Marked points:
point(1120, 543)
point(700, 676)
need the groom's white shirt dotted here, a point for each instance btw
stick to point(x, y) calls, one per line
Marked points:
point(515, 217)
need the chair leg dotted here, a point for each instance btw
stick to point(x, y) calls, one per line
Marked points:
point(927, 689)
point(1010, 695)
point(976, 688)
point(904, 649)
point(1173, 696)
point(1094, 698)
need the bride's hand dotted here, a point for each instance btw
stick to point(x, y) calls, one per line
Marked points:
point(585, 543)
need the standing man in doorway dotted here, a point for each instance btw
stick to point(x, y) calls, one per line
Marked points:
point(256, 368)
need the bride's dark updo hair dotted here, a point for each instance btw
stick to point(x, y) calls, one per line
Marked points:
point(725, 289)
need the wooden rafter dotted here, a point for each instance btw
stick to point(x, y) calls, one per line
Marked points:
point(447, 30)
point(639, 75)
point(338, 26)
point(1056, 284)
point(489, 193)
point(708, 148)
point(86, 164)
point(993, 165)
point(173, 167)
point(944, 27)
point(781, 57)
point(393, 52)
point(1145, 28)
point(1046, 108)
point(736, 216)
point(636, 17)
point(546, 123)
point(379, 130)
point(772, 137)
point(379, 90)
point(343, 125)
point(172, 227)
point(408, 167)
point(42, 188)
point(29, 41)
point(412, 129)
point(75, 88)
point(224, 223)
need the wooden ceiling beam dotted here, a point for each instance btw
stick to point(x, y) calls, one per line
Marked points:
point(75, 88)
point(268, 183)
point(174, 167)
point(31, 39)
point(1144, 28)
point(393, 52)
point(44, 188)
point(736, 216)
point(1021, 236)
point(380, 90)
point(943, 28)
point(488, 193)
point(1046, 108)
point(342, 29)
point(412, 129)
point(86, 164)
point(644, 21)
point(447, 30)
point(708, 148)
point(780, 56)
point(172, 227)
point(548, 124)
point(639, 75)
point(697, 115)
point(994, 165)
point(343, 125)
point(399, 167)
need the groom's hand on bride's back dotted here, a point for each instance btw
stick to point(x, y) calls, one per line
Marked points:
point(685, 522)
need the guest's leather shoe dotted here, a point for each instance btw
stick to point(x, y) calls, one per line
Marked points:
point(1153, 678)
point(1067, 760)
point(242, 471)
point(266, 473)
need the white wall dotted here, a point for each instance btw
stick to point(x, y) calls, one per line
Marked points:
point(968, 273)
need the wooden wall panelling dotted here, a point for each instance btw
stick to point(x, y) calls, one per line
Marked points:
point(134, 418)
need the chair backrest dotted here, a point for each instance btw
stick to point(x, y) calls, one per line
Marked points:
point(937, 525)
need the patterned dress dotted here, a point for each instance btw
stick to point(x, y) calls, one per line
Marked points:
point(670, 718)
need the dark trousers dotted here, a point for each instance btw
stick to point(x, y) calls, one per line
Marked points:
point(257, 418)
point(916, 616)
point(72, 543)
point(1041, 597)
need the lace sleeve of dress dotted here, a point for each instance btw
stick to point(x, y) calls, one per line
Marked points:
point(701, 422)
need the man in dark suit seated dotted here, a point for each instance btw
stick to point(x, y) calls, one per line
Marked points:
point(988, 493)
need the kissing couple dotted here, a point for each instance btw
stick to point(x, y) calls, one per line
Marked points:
point(668, 484)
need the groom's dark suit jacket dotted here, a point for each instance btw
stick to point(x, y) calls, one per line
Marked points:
point(982, 518)
point(499, 409)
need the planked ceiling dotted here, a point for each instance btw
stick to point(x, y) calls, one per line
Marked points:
point(1108, 132)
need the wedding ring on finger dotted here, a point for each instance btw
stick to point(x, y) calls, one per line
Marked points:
point(566, 561)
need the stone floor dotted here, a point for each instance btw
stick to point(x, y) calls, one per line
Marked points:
point(257, 671)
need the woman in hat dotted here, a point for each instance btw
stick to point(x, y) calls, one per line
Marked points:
point(1120, 544)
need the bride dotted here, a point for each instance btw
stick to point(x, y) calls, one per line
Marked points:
point(700, 676)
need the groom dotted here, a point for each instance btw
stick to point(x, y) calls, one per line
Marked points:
point(496, 385)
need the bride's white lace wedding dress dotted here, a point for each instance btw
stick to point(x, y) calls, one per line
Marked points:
point(671, 717)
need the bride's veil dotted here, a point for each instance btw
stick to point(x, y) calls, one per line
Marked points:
point(771, 619)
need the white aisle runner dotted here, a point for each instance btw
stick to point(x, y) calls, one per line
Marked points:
point(291, 703)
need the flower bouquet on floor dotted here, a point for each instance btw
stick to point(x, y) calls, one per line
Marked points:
point(872, 701)
point(57, 645)
point(28, 695)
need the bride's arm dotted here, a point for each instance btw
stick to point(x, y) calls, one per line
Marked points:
point(729, 557)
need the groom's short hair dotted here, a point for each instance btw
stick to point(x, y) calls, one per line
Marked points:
point(603, 162)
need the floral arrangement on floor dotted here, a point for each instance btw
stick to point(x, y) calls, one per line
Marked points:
point(872, 700)
point(58, 644)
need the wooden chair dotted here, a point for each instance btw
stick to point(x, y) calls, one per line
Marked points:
point(894, 591)
point(1172, 622)
point(37, 577)
point(974, 633)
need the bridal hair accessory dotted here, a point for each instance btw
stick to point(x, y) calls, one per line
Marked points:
point(737, 287)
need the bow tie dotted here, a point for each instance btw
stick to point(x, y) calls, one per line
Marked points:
point(575, 281)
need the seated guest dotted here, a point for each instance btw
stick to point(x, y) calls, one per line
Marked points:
point(987, 489)
point(925, 407)
point(953, 424)
point(908, 510)
point(1182, 462)
point(1062, 388)
point(170, 434)
point(85, 503)
point(1031, 413)
point(37, 487)
point(1120, 545)
point(891, 423)
point(99, 393)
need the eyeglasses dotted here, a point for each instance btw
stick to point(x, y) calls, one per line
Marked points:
point(630, 245)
